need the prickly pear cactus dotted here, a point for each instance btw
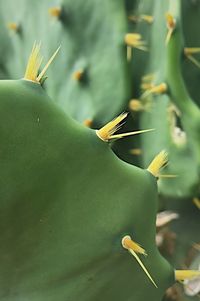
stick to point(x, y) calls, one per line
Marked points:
point(78, 223)
point(69, 206)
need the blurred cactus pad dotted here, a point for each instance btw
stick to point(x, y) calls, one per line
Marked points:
point(91, 36)
point(90, 210)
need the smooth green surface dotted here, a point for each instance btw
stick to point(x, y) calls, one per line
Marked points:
point(66, 202)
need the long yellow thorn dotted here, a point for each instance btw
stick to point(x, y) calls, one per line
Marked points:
point(158, 163)
point(34, 63)
point(167, 176)
point(143, 267)
point(181, 275)
point(135, 248)
point(106, 133)
point(42, 73)
point(119, 136)
point(111, 127)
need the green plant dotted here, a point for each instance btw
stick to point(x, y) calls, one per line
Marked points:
point(164, 104)
point(67, 202)
point(72, 212)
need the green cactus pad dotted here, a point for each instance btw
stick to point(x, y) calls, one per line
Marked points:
point(66, 202)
